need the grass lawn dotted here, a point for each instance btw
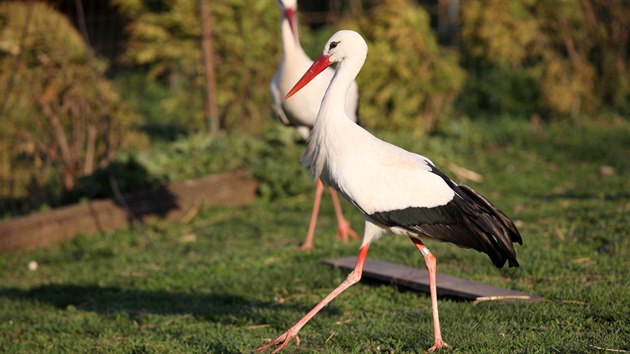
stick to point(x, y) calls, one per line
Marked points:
point(230, 278)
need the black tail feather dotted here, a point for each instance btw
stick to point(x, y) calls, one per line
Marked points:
point(468, 220)
point(499, 230)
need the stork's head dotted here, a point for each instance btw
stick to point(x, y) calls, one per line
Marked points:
point(342, 45)
point(288, 9)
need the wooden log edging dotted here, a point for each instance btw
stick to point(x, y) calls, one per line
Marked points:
point(170, 202)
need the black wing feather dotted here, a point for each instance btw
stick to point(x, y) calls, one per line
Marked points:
point(468, 220)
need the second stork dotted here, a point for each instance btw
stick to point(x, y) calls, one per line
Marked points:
point(301, 111)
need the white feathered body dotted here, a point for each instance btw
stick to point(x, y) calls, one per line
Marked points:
point(397, 190)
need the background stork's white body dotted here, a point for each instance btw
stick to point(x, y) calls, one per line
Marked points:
point(301, 111)
point(396, 190)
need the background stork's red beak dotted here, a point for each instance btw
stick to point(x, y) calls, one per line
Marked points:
point(290, 15)
point(318, 66)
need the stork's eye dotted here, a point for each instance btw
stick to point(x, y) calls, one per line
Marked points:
point(333, 45)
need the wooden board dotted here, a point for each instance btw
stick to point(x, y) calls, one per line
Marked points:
point(176, 201)
point(418, 279)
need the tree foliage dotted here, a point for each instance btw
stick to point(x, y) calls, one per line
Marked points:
point(572, 53)
point(166, 37)
point(61, 115)
point(408, 81)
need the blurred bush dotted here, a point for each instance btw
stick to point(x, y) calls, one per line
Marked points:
point(161, 120)
point(277, 166)
point(272, 157)
point(64, 122)
point(558, 58)
point(408, 81)
point(61, 118)
point(164, 38)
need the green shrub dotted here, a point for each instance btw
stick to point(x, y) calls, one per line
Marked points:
point(277, 165)
point(161, 121)
point(408, 81)
point(567, 52)
point(500, 89)
point(272, 158)
point(62, 118)
point(166, 39)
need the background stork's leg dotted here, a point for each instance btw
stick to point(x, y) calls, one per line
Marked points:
point(308, 242)
point(431, 263)
point(343, 226)
point(292, 332)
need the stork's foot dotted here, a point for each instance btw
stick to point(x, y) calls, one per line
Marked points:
point(281, 342)
point(305, 246)
point(344, 230)
point(437, 346)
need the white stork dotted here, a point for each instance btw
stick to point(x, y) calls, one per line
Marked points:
point(301, 110)
point(397, 191)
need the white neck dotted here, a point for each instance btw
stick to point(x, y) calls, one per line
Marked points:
point(334, 102)
point(290, 42)
point(332, 126)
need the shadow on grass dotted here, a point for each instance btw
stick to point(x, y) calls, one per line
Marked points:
point(224, 308)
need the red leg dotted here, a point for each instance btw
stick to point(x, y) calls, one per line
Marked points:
point(308, 242)
point(431, 263)
point(343, 226)
point(284, 339)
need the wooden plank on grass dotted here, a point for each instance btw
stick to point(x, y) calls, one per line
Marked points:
point(176, 201)
point(418, 279)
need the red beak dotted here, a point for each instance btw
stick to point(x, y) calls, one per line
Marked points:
point(318, 66)
point(290, 15)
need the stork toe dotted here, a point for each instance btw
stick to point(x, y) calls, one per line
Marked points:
point(438, 346)
point(344, 230)
point(280, 342)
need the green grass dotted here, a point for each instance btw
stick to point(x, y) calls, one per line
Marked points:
point(230, 278)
